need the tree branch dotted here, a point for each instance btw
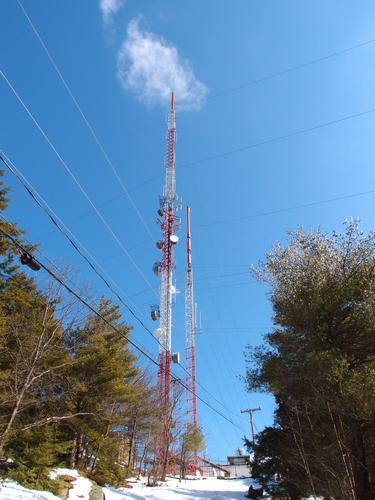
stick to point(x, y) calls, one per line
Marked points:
point(54, 419)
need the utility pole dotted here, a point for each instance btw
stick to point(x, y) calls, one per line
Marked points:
point(250, 411)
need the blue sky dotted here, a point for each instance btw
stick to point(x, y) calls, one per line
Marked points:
point(204, 49)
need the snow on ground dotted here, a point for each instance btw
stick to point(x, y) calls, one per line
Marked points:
point(198, 489)
point(81, 485)
point(9, 490)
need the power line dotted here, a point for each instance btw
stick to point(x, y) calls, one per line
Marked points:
point(277, 138)
point(231, 328)
point(202, 278)
point(76, 181)
point(53, 264)
point(85, 254)
point(233, 89)
point(86, 121)
point(292, 69)
point(227, 286)
point(288, 209)
point(225, 365)
point(265, 142)
point(266, 78)
point(54, 149)
point(221, 265)
point(108, 323)
point(74, 293)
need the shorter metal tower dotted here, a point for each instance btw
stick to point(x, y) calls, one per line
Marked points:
point(191, 383)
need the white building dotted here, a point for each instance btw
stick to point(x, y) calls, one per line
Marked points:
point(236, 466)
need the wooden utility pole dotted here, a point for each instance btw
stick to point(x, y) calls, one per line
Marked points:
point(250, 411)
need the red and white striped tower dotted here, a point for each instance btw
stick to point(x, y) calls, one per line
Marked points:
point(169, 224)
point(191, 384)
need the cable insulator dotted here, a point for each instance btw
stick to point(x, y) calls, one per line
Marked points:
point(29, 261)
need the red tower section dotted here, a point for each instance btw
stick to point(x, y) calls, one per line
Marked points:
point(169, 224)
point(191, 384)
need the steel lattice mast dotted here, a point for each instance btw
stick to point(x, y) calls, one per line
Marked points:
point(169, 224)
point(191, 398)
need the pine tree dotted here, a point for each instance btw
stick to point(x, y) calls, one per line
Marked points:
point(192, 441)
point(100, 385)
point(319, 362)
point(32, 356)
point(70, 392)
point(8, 254)
point(35, 453)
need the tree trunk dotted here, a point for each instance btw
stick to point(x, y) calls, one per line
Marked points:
point(17, 404)
point(72, 454)
point(131, 443)
point(363, 488)
point(77, 454)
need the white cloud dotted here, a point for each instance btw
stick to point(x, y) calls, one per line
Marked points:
point(150, 67)
point(109, 8)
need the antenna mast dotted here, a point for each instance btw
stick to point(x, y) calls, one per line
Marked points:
point(169, 223)
point(191, 398)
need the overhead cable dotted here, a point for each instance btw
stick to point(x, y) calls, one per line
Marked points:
point(85, 254)
point(264, 142)
point(76, 181)
point(227, 286)
point(287, 209)
point(86, 121)
point(203, 278)
point(291, 69)
point(277, 138)
point(77, 245)
point(109, 324)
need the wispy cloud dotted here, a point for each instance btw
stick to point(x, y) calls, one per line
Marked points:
point(150, 68)
point(109, 8)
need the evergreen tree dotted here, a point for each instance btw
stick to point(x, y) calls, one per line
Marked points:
point(320, 364)
point(192, 441)
point(142, 422)
point(8, 254)
point(36, 452)
point(70, 394)
point(99, 385)
point(32, 353)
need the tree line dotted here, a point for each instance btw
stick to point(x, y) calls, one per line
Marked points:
point(319, 364)
point(72, 392)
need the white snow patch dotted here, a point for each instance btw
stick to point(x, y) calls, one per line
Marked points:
point(81, 485)
point(197, 489)
point(61, 471)
point(10, 490)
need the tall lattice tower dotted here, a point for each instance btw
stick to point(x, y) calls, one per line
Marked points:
point(169, 224)
point(191, 384)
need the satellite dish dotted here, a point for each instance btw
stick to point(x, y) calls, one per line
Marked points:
point(155, 314)
point(176, 357)
point(173, 239)
point(157, 268)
